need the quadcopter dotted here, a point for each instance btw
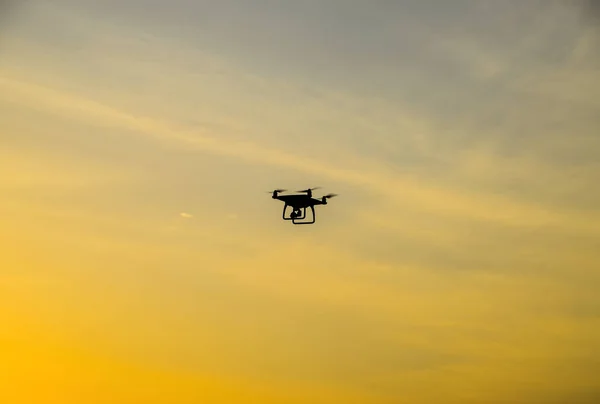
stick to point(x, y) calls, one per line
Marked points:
point(299, 203)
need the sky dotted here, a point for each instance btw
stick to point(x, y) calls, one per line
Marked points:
point(143, 260)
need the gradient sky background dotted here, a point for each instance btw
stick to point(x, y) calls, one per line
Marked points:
point(142, 260)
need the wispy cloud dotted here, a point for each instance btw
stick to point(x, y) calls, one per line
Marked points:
point(401, 187)
point(456, 166)
point(461, 138)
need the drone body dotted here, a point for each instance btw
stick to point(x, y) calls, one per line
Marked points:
point(299, 203)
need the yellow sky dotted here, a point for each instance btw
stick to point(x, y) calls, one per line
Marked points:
point(142, 260)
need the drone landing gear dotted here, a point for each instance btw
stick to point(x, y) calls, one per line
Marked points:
point(299, 214)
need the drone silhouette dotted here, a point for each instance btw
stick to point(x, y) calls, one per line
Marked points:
point(299, 203)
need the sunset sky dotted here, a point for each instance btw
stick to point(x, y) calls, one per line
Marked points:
point(142, 259)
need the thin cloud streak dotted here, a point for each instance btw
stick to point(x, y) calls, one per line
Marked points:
point(400, 187)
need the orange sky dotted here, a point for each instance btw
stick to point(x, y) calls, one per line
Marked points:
point(142, 259)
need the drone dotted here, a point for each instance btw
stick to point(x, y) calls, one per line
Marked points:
point(299, 203)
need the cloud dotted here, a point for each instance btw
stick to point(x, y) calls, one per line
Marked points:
point(401, 187)
point(46, 171)
point(498, 157)
point(471, 200)
point(412, 145)
point(186, 215)
point(466, 323)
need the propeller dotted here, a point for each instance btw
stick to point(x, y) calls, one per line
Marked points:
point(276, 190)
point(329, 196)
point(309, 189)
